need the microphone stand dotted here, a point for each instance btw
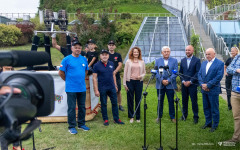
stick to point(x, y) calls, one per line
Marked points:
point(160, 118)
point(145, 108)
point(177, 103)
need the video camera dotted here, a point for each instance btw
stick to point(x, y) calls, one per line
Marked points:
point(35, 100)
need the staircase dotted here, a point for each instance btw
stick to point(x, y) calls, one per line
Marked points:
point(207, 43)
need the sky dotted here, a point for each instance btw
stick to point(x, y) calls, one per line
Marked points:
point(19, 6)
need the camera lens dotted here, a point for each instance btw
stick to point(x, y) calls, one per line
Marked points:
point(29, 87)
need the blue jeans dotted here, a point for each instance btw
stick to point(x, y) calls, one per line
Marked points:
point(71, 101)
point(113, 97)
point(170, 97)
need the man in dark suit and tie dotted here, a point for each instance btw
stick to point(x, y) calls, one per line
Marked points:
point(209, 76)
point(189, 67)
point(165, 83)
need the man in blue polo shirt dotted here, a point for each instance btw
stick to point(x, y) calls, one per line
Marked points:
point(73, 70)
point(104, 82)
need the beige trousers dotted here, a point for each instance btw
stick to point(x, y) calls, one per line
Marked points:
point(235, 101)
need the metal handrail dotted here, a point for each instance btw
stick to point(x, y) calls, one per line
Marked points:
point(119, 14)
point(228, 6)
point(189, 24)
point(218, 42)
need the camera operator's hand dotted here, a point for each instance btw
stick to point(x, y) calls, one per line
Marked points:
point(7, 89)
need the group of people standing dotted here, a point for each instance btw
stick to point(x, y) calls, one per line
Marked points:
point(107, 82)
point(105, 75)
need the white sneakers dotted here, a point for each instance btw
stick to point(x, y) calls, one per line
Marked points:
point(132, 120)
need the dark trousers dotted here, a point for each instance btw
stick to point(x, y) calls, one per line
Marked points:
point(72, 97)
point(113, 97)
point(211, 109)
point(192, 92)
point(135, 88)
point(228, 83)
point(170, 96)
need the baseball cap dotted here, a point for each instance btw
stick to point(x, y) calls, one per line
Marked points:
point(91, 41)
point(75, 38)
point(75, 42)
point(111, 42)
point(104, 51)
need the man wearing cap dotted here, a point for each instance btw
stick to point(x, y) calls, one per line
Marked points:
point(116, 58)
point(73, 70)
point(63, 50)
point(104, 82)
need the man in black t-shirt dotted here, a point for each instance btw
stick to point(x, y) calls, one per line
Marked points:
point(65, 51)
point(116, 58)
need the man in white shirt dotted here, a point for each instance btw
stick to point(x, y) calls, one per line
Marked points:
point(209, 76)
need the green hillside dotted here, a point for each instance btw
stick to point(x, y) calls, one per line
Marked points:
point(131, 6)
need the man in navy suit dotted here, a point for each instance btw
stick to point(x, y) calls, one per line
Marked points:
point(166, 83)
point(209, 76)
point(189, 67)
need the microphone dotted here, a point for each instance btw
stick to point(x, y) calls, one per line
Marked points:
point(175, 72)
point(238, 89)
point(167, 69)
point(23, 58)
point(160, 70)
point(154, 71)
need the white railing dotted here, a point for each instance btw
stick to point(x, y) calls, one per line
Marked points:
point(190, 30)
point(218, 42)
point(17, 15)
point(219, 12)
point(73, 16)
point(223, 8)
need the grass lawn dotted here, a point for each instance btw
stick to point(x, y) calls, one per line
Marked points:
point(127, 8)
point(130, 136)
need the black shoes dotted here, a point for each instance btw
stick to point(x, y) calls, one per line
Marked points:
point(206, 126)
point(183, 119)
point(229, 108)
point(195, 121)
point(106, 123)
point(213, 129)
point(121, 108)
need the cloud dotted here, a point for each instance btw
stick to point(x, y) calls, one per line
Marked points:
point(19, 6)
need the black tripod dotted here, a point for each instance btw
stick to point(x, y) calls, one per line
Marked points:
point(145, 108)
point(177, 103)
point(160, 118)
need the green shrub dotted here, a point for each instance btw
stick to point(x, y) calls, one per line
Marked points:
point(9, 34)
point(195, 43)
point(126, 16)
point(27, 33)
point(126, 32)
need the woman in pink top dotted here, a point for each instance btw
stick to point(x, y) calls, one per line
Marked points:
point(134, 72)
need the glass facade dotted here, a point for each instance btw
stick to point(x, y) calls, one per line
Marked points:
point(229, 30)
